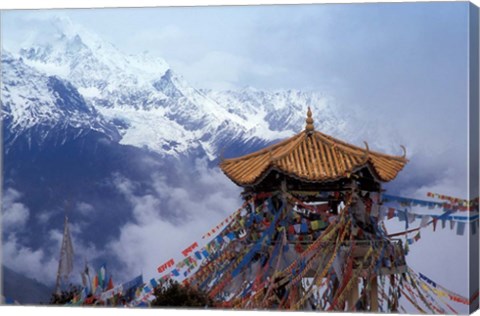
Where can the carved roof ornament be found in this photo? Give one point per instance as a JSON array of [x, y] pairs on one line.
[[316, 158], [309, 128]]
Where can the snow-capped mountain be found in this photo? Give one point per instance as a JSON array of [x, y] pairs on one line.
[[39, 106], [279, 111], [78, 114], [152, 106]]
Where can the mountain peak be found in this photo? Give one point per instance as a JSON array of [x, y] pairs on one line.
[[62, 48], [153, 105], [31, 98]]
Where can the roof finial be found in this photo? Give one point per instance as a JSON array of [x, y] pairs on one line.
[[309, 127]]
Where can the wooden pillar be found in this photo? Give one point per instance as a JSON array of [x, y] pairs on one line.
[[353, 297], [283, 185], [374, 295]]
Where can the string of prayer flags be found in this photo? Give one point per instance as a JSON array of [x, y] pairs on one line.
[[424, 221], [427, 219], [411, 202], [189, 249], [166, 265], [166, 277], [110, 293], [429, 204], [132, 284], [225, 221], [458, 201], [443, 292]]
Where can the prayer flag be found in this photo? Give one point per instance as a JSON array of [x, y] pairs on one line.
[[452, 225], [304, 228], [291, 230], [101, 276], [130, 289], [318, 224], [154, 283], [410, 217], [297, 228], [94, 284], [231, 236], [138, 292], [460, 228], [424, 221], [84, 279], [205, 253], [110, 284], [417, 236]]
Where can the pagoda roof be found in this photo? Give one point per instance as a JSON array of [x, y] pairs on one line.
[[313, 157]]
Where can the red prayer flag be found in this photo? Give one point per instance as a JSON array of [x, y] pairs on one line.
[[95, 283], [110, 284]]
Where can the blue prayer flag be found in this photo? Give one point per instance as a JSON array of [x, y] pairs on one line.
[[460, 228], [154, 283]]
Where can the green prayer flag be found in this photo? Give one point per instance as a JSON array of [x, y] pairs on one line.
[[318, 224]]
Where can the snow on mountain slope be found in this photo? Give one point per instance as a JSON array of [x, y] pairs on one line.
[[99, 70], [154, 107], [277, 112], [31, 99]]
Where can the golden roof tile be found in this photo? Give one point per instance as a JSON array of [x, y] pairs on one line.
[[311, 156]]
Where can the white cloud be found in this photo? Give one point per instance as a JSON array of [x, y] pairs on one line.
[[39, 263], [42, 263], [84, 208], [161, 36], [15, 214], [44, 216], [167, 224], [221, 70], [32, 263]]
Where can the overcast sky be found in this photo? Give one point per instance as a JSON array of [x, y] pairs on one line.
[[405, 66]]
